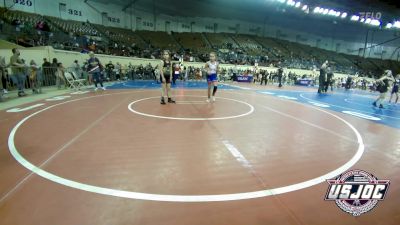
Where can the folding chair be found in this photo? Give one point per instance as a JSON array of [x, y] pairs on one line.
[[74, 83]]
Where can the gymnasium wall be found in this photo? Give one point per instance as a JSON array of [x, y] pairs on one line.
[[137, 18]]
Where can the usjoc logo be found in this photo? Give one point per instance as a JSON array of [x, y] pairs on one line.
[[356, 191]]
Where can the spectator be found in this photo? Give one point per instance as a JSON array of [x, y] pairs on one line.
[[76, 68], [18, 71], [60, 76], [2, 75], [33, 77]]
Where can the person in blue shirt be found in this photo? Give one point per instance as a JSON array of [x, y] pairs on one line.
[[94, 68]]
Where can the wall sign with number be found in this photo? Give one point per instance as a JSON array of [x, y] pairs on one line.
[[74, 12], [147, 24], [23, 2], [114, 20]]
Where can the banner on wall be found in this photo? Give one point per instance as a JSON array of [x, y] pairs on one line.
[[244, 78]]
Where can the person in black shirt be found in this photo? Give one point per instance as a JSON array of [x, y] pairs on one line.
[[110, 70], [329, 80], [166, 75], [322, 75], [264, 77], [383, 86], [280, 74]]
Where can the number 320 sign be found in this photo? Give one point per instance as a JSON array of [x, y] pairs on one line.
[[23, 2]]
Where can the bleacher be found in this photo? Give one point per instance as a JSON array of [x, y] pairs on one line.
[[275, 49], [221, 41], [122, 36], [250, 46], [29, 20], [73, 27], [236, 47], [159, 39], [192, 41]]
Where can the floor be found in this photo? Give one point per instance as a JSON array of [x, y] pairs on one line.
[[258, 155]]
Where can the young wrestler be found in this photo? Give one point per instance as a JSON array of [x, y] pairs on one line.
[[212, 68], [166, 75], [383, 86]]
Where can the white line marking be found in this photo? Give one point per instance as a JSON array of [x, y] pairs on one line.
[[236, 86], [308, 123], [14, 110], [181, 198], [397, 118], [194, 118], [79, 92], [319, 104], [243, 161], [61, 149], [58, 98], [238, 156], [266, 92], [287, 97], [370, 105], [368, 117]]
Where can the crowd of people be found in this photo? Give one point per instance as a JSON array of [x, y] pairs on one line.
[[31, 75], [41, 34]]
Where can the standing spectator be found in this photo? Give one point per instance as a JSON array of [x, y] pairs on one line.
[[329, 76], [46, 67], [76, 68], [17, 70], [109, 70], [60, 76], [130, 71], [33, 77], [198, 74], [176, 74], [234, 73], [322, 75], [186, 69], [94, 68], [53, 68], [280, 74], [5, 79], [117, 71], [2, 74], [264, 77]]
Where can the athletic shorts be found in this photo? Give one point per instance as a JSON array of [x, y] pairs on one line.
[[395, 89], [167, 79], [212, 77]]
